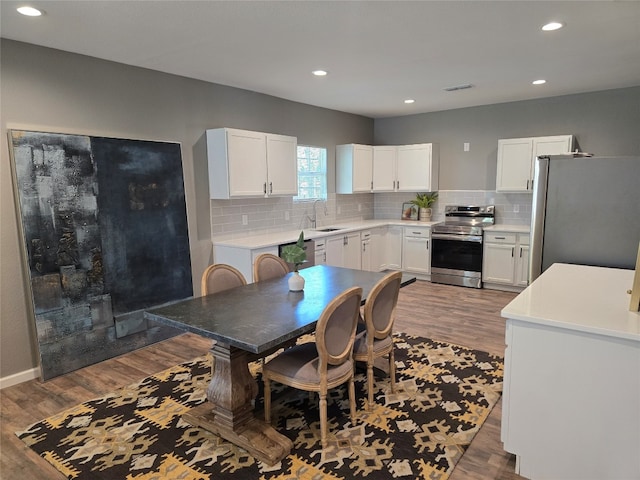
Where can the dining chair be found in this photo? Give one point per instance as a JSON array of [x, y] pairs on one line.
[[220, 277], [323, 364], [374, 338], [267, 266]]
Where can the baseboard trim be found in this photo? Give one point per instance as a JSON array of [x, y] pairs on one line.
[[19, 377]]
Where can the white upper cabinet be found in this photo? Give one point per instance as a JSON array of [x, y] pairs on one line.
[[282, 164], [247, 164], [385, 161], [516, 157], [406, 168], [354, 168], [418, 168]]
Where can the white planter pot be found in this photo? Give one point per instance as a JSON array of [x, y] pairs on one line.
[[425, 214], [296, 282]]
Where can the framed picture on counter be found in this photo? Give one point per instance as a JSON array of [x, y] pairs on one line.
[[409, 211]]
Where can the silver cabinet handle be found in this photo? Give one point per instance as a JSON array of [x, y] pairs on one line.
[[270, 187], [264, 187]]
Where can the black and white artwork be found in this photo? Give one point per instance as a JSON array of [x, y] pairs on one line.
[[104, 227]]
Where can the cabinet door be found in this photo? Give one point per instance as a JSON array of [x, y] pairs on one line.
[[522, 266], [365, 255], [393, 257], [414, 168], [246, 155], [415, 255], [515, 157], [377, 248], [384, 168], [362, 168], [498, 263], [555, 145], [351, 256], [354, 168], [282, 171], [335, 247]]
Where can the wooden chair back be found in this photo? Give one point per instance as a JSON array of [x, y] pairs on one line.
[[220, 277], [380, 306], [268, 266], [336, 328]]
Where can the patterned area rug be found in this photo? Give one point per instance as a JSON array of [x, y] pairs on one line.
[[445, 392]]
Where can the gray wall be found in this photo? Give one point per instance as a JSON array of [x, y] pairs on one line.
[[50, 90], [604, 123], [60, 92]]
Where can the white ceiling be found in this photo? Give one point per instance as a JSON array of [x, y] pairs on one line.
[[378, 53]]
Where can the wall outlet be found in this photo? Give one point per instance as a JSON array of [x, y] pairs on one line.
[[516, 208], [465, 146], [245, 219]]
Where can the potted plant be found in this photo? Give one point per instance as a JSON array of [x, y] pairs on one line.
[[296, 255], [424, 201]]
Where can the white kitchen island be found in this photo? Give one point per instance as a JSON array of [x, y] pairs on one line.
[[571, 405]]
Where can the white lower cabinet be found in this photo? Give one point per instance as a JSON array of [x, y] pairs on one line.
[[377, 248], [365, 253], [416, 255], [344, 250], [321, 252], [505, 260], [393, 253]]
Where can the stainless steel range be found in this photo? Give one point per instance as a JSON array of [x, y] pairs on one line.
[[456, 245]]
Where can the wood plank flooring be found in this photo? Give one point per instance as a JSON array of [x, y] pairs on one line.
[[458, 315]]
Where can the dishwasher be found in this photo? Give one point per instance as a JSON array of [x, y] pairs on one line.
[[309, 248]]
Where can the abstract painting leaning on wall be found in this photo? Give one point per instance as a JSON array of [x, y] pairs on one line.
[[104, 234]]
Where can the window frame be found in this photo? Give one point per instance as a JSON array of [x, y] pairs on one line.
[[321, 173]]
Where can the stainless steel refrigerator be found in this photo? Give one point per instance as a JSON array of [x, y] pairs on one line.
[[586, 210]]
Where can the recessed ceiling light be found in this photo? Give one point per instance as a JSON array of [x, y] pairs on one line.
[[319, 73], [30, 11], [549, 27], [409, 100], [539, 82]]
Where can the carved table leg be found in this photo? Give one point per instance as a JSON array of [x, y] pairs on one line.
[[229, 412]]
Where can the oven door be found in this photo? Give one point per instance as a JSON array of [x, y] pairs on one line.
[[456, 259]]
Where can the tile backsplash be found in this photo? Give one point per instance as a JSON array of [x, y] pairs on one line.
[[276, 214]]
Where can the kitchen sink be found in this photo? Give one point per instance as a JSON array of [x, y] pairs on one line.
[[329, 229]]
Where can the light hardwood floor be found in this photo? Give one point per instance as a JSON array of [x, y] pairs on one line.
[[458, 315]]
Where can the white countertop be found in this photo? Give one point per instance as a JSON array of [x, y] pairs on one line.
[[508, 228], [579, 297], [264, 240]]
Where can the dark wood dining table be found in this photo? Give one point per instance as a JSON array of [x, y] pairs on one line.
[[248, 320]]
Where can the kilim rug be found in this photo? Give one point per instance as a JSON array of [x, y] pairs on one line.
[[445, 392]]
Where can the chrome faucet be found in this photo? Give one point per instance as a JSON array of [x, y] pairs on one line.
[[314, 219]]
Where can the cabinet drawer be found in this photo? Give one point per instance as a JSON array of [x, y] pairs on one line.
[[498, 237], [416, 232], [524, 239]]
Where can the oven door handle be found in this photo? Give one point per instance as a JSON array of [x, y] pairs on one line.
[[457, 238]]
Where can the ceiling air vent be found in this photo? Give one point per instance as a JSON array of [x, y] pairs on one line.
[[458, 87]]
